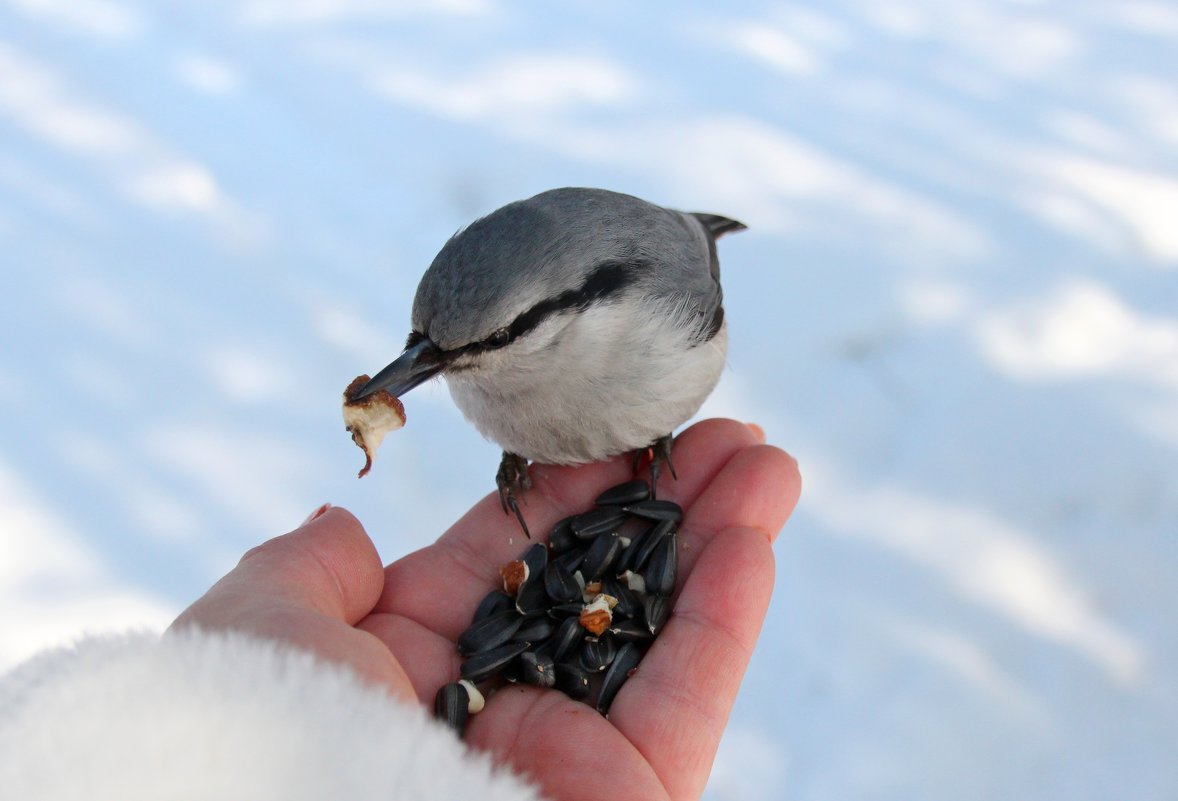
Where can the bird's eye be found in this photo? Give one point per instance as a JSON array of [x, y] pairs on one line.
[[499, 339]]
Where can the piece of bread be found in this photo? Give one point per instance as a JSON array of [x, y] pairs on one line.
[[370, 418]]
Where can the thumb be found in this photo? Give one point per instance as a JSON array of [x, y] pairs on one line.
[[328, 565]]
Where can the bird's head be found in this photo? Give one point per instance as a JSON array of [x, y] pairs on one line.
[[502, 290]]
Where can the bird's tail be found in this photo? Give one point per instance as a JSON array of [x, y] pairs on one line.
[[718, 226]]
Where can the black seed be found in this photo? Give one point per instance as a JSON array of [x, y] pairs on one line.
[[660, 571], [630, 631], [494, 601], [535, 557], [650, 540], [560, 584], [631, 491], [490, 632], [597, 521], [623, 667], [572, 680], [656, 510], [629, 605], [537, 669], [572, 609], [512, 672], [628, 557], [535, 629], [566, 642], [601, 556], [656, 609], [486, 664], [562, 537], [533, 598], [598, 653], [451, 706], [571, 559]]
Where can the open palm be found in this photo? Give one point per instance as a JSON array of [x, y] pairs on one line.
[[322, 587]]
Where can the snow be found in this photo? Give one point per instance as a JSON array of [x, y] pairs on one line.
[[957, 305]]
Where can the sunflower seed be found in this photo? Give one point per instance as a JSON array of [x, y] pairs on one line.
[[655, 611], [656, 510], [533, 598], [630, 631], [566, 642], [534, 629], [512, 672], [626, 560], [598, 521], [660, 571], [598, 653], [572, 680], [560, 584], [452, 706], [484, 665], [571, 609], [477, 701], [571, 560], [562, 538], [494, 601], [623, 667], [537, 669], [649, 542], [631, 491], [535, 557], [628, 605], [601, 556], [490, 632]]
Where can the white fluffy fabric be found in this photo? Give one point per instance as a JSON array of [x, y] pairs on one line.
[[222, 716]]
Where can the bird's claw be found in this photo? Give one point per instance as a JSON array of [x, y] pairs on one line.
[[660, 454], [513, 477]]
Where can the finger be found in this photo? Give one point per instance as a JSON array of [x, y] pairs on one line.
[[306, 588], [675, 707], [428, 659], [760, 488], [328, 565], [570, 750], [466, 560]]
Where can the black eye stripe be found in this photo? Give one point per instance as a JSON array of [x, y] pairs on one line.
[[608, 278]]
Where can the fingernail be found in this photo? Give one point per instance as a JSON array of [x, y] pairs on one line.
[[758, 432], [316, 514]]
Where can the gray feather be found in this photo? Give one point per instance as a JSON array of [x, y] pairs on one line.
[[504, 264]]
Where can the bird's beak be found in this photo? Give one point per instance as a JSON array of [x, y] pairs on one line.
[[419, 363]]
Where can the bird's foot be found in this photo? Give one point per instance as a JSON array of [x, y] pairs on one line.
[[512, 478], [660, 454]]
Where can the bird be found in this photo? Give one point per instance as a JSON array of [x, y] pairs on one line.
[[571, 327]]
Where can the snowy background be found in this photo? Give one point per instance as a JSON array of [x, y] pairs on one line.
[[957, 305]]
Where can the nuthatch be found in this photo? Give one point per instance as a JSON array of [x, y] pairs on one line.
[[572, 326]]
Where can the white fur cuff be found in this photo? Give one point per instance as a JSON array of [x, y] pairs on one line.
[[222, 716]]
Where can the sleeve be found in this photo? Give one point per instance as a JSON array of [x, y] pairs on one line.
[[203, 715]]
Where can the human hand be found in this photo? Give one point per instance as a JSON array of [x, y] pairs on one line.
[[322, 588]]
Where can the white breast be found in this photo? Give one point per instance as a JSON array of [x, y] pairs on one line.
[[595, 384]]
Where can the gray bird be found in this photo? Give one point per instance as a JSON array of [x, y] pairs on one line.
[[571, 327]]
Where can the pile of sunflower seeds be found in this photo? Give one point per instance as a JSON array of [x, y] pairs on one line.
[[579, 614]]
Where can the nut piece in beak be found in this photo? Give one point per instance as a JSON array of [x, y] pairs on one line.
[[370, 418]]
